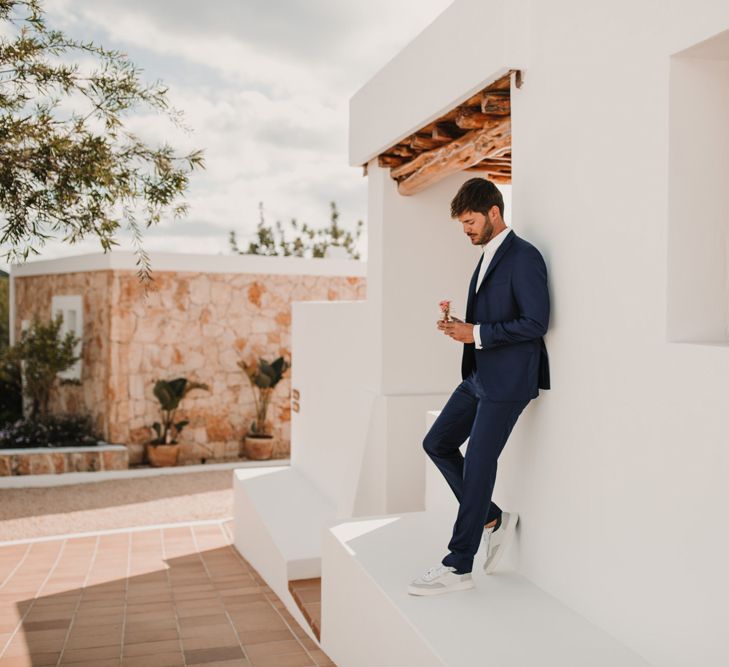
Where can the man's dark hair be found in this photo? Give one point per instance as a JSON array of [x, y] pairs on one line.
[[478, 195]]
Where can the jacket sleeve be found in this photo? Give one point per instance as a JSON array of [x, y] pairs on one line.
[[529, 284]]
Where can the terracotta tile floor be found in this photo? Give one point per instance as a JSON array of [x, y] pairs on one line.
[[307, 595], [161, 597]]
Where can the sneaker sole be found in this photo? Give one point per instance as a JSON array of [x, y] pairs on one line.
[[493, 560], [465, 585]]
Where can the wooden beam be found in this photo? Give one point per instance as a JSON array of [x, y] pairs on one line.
[[495, 176], [500, 86], [420, 142], [473, 101], [496, 168], [496, 104], [504, 151], [403, 151], [491, 170], [504, 83], [470, 118], [442, 133], [497, 160], [390, 160], [445, 151], [432, 166], [470, 136]]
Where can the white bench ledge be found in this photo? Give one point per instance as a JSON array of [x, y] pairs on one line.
[[368, 617], [284, 505]]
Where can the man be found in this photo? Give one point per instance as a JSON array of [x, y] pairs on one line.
[[503, 367]]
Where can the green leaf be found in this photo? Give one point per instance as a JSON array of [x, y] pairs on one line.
[[70, 163]]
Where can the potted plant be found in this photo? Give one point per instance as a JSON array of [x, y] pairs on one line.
[[164, 449], [264, 376]]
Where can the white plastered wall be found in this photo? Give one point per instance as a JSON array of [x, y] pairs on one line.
[[619, 472]]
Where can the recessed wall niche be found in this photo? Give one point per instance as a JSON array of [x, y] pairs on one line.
[[698, 194]]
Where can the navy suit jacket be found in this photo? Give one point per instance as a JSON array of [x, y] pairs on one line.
[[511, 307]]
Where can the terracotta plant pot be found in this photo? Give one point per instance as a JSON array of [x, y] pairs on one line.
[[258, 447], [162, 456]]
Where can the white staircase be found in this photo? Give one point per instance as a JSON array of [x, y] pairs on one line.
[[368, 617], [281, 539], [288, 529], [281, 512], [356, 454], [279, 516]]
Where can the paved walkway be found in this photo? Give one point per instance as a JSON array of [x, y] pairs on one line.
[[158, 597], [118, 503]]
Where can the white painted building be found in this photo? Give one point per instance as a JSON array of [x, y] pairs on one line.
[[620, 176]]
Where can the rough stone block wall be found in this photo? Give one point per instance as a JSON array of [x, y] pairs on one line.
[[33, 296], [52, 462], [191, 324]]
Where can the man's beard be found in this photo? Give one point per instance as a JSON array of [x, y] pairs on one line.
[[487, 233]]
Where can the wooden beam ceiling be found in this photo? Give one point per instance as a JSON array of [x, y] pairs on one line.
[[475, 136]]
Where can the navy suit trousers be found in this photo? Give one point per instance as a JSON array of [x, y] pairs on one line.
[[469, 413]]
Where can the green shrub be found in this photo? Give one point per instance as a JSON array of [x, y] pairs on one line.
[[307, 241], [45, 354], [53, 431]]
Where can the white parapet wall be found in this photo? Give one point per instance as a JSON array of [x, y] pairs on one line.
[[280, 515], [278, 518], [361, 448], [331, 418]]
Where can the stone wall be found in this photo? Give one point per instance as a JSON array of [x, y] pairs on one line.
[[51, 460], [191, 324], [33, 297]]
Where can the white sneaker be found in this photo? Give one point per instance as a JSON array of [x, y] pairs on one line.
[[440, 579], [498, 540], [488, 532]]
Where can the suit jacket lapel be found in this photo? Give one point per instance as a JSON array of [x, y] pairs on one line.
[[497, 256]]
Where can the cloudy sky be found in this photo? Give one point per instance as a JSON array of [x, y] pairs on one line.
[[265, 87]]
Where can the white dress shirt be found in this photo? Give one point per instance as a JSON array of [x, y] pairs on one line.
[[489, 250]]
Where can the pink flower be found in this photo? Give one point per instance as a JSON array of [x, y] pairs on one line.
[[445, 307]]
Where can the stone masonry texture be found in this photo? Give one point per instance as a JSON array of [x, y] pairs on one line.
[[190, 324]]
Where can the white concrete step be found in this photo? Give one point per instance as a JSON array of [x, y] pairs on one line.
[[368, 617], [279, 517]]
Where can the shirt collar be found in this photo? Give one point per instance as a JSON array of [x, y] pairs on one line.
[[496, 241]]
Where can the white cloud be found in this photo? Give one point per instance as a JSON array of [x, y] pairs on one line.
[[265, 88]]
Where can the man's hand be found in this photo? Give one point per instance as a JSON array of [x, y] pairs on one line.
[[457, 330]]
